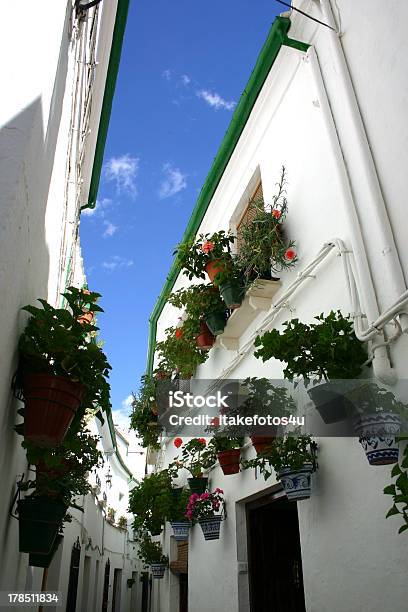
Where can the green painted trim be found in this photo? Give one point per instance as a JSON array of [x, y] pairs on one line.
[[115, 446], [111, 78], [276, 38]]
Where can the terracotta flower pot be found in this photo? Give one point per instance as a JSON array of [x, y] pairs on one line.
[[51, 403], [87, 317], [262, 443], [229, 461], [213, 267], [205, 339]]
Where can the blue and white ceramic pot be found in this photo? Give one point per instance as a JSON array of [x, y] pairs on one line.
[[211, 527], [158, 569], [297, 483], [181, 530], [378, 431]]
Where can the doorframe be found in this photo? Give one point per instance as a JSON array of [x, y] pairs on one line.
[[242, 506]]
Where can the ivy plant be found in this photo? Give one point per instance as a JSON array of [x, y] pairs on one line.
[[399, 490], [144, 413], [151, 501], [327, 350]]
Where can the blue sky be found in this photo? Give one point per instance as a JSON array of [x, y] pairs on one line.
[[184, 66]]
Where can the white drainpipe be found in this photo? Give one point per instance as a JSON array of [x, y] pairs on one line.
[[361, 192]]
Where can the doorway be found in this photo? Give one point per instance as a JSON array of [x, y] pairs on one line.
[[274, 556], [183, 592]]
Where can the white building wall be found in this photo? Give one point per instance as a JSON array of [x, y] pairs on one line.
[[352, 556]]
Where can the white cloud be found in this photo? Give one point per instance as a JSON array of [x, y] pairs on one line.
[[110, 229], [123, 170], [100, 208], [185, 79], [116, 262], [166, 74], [174, 182], [214, 100]]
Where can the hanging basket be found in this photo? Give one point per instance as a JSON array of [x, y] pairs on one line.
[[181, 530], [330, 401], [297, 483], [39, 521], [213, 267], [205, 338], [50, 405], [211, 527], [158, 570], [262, 443], [45, 560], [378, 433], [216, 322], [198, 485], [229, 461], [231, 293]]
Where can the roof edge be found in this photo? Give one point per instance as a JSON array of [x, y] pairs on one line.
[[278, 36]]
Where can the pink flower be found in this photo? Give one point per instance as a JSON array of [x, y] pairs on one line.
[[290, 254], [276, 213], [205, 495], [217, 490], [207, 246]]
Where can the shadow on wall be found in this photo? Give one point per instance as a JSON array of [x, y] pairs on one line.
[[26, 164]]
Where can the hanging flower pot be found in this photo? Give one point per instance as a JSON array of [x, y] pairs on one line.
[[87, 317], [377, 433], [211, 527], [205, 338], [229, 461], [39, 521], [216, 322], [181, 530], [51, 403], [158, 570], [297, 483], [231, 293], [330, 401], [198, 484], [213, 267], [45, 560], [262, 443]]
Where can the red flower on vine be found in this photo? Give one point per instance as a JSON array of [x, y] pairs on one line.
[[276, 213], [179, 333], [202, 440], [207, 246], [290, 254], [178, 442]]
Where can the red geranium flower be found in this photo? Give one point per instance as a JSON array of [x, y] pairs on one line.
[[178, 442], [207, 246], [215, 421], [276, 213], [179, 333], [290, 254], [202, 440]]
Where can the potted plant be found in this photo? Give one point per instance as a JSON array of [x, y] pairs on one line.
[[399, 490], [151, 553], [203, 306], [293, 458], [208, 509], [89, 307], [151, 500], [261, 398], [264, 250], [195, 457], [228, 451], [208, 253], [179, 354], [60, 369], [110, 515], [177, 518], [377, 420], [327, 350], [40, 519], [144, 419], [122, 523]]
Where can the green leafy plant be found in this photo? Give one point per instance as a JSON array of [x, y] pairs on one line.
[[399, 490], [55, 342], [263, 248], [193, 255], [369, 398], [144, 413], [291, 451], [195, 457], [178, 507], [62, 472], [221, 441], [122, 522], [179, 354], [111, 514], [326, 350], [150, 552], [151, 501], [197, 301]]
